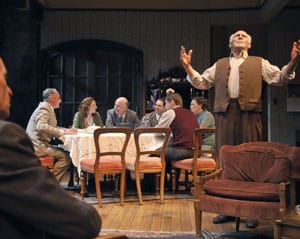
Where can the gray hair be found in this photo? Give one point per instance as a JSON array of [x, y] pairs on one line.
[[248, 36], [47, 93]]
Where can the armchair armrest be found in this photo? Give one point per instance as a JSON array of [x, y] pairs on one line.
[[200, 180], [284, 192]]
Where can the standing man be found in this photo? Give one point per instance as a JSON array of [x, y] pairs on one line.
[[238, 87], [151, 119], [33, 204], [42, 128], [121, 116]]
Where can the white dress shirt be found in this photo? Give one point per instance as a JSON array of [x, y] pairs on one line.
[[270, 73]]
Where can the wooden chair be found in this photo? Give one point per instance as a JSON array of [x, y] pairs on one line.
[[253, 182], [145, 163], [47, 161], [107, 161], [203, 162]]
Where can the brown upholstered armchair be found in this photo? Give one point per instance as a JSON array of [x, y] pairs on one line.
[[253, 182]]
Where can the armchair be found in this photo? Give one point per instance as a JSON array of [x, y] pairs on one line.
[[253, 182]]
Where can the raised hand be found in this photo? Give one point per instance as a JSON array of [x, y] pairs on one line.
[[185, 58], [295, 50]]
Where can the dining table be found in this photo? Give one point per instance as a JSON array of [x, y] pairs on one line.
[[82, 145]]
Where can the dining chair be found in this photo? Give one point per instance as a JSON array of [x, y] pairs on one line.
[[203, 161], [149, 160], [47, 161], [108, 161]]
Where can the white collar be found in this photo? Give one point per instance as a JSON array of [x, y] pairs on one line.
[[243, 54]]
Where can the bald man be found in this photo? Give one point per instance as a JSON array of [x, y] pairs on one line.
[[121, 116]]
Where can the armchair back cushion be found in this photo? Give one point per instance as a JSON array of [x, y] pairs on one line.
[[250, 172], [255, 164]]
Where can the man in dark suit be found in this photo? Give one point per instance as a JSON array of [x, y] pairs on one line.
[[121, 116], [33, 204]]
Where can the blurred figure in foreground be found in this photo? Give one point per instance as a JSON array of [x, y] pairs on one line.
[[33, 204]]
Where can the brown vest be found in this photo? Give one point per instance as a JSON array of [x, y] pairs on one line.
[[250, 84]]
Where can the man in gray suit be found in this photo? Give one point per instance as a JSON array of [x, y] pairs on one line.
[[33, 204], [42, 128], [121, 116]]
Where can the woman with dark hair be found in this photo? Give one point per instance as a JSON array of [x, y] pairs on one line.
[[205, 119], [87, 114]]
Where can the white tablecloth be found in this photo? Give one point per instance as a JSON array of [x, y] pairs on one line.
[[82, 145]]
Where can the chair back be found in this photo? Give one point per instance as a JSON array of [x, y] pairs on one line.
[[161, 134], [255, 162], [116, 148], [199, 152]]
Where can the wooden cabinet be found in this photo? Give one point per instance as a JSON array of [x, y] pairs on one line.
[[158, 89]]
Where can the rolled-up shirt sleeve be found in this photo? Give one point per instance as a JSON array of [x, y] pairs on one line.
[[204, 81], [166, 119], [275, 76]]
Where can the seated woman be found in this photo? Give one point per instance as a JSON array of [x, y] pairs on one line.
[[205, 120], [87, 114]]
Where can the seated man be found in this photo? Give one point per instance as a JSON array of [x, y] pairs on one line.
[[151, 119], [182, 123], [33, 205], [121, 116], [42, 128]]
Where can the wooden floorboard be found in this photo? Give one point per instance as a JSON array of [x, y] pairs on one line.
[[176, 215]]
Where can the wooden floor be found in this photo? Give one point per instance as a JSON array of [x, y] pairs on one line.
[[175, 215]]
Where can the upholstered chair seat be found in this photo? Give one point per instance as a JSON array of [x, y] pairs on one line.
[[203, 161], [47, 161]]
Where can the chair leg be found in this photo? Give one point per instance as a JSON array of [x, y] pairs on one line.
[[122, 187], [237, 224], [186, 180], [138, 186], [71, 178], [77, 178], [117, 180], [157, 176], [162, 186], [173, 177], [198, 218], [83, 184], [98, 189]]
